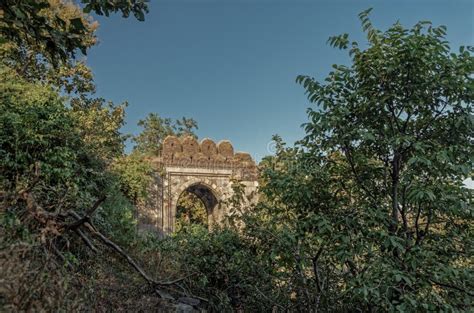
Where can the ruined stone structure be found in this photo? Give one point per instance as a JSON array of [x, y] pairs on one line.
[[204, 168]]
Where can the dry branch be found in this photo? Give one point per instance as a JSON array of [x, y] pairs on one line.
[[154, 284], [88, 214], [86, 240], [58, 220]]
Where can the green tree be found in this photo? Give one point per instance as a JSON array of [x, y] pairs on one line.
[[54, 35], [40, 38], [185, 127], [99, 122], [191, 210], [400, 121], [135, 174], [31, 57], [155, 130], [40, 147]]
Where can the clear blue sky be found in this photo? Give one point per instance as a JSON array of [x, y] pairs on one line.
[[231, 65]]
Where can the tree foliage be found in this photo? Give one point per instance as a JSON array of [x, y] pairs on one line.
[[49, 169], [99, 123], [155, 130], [220, 265], [190, 209], [39, 137], [40, 38], [135, 174], [38, 23], [399, 121]]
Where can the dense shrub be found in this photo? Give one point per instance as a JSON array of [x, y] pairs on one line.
[[47, 170], [219, 265], [39, 141]]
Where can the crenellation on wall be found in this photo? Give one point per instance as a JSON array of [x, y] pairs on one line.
[[187, 152]]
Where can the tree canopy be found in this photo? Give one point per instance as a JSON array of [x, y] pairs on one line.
[[43, 24], [156, 128]]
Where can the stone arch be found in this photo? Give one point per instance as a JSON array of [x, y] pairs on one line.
[[216, 191], [187, 182], [209, 197]]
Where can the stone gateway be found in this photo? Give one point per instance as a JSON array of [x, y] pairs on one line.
[[205, 169]]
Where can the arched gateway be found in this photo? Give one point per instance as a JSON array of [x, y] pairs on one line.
[[203, 168]]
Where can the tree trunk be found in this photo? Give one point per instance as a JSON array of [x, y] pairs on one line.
[[395, 184]]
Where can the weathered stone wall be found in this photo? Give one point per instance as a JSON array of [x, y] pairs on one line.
[[204, 168]]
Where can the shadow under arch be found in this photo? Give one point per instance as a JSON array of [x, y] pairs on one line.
[[207, 195]]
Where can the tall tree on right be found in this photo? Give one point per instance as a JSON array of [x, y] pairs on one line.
[[400, 119]]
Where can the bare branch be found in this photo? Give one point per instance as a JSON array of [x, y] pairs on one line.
[[316, 269], [86, 240], [89, 212], [115, 247], [452, 287], [417, 225]]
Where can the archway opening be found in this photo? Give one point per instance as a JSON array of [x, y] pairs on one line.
[[196, 205]]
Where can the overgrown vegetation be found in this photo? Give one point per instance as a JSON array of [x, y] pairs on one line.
[[367, 213]]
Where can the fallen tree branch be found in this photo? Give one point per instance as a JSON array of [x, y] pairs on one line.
[[87, 216], [111, 244], [452, 287], [86, 240], [175, 281], [58, 220], [154, 284], [115, 247]]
